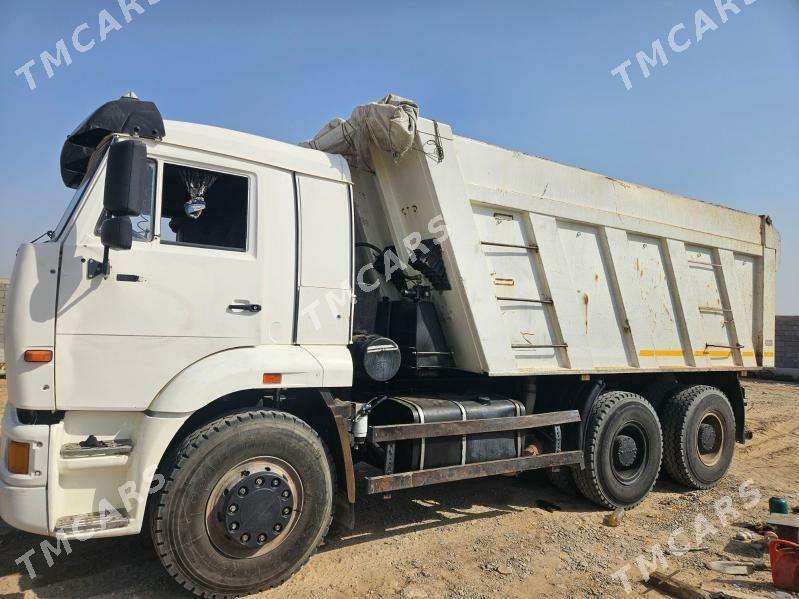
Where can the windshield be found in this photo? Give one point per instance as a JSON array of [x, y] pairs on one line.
[[78, 195], [59, 228]]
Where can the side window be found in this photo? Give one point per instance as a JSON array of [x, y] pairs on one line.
[[203, 208], [142, 224]]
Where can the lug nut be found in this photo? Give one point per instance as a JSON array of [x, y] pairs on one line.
[[233, 508], [243, 491], [245, 537], [234, 526], [262, 538], [275, 482], [277, 527], [259, 482], [285, 493], [286, 511]]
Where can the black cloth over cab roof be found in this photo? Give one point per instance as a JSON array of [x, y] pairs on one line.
[[126, 115]]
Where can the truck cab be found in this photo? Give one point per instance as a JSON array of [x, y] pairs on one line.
[[257, 290]]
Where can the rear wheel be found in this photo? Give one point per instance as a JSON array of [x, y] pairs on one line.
[[562, 479], [659, 392], [248, 498], [698, 436], [623, 449]]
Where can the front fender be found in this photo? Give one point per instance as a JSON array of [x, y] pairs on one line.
[[236, 370]]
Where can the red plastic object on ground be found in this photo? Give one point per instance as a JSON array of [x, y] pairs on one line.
[[784, 564]]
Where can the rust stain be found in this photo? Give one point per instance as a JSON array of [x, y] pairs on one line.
[[585, 303]]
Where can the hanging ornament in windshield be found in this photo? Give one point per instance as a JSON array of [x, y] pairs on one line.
[[197, 183]]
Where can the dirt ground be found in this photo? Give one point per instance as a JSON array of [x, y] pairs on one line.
[[486, 537]]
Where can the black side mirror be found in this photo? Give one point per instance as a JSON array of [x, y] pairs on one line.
[[117, 233], [127, 182], [126, 178]]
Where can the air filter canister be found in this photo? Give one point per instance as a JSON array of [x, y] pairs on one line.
[[375, 357]]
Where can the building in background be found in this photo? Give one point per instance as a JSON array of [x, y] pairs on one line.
[[787, 349]]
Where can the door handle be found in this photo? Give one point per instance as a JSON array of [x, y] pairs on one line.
[[128, 278], [247, 307]]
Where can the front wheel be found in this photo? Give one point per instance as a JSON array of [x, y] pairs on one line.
[[248, 499], [623, 449]]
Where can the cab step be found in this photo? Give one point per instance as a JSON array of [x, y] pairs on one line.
[[92, 448], [94, 522]]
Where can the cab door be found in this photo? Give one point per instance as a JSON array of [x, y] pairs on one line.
[[188, 287]]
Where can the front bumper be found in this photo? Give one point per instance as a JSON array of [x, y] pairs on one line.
[[23, 497], [65, 488], [24, 508]]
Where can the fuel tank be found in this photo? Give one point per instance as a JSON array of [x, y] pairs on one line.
[[423, 454]]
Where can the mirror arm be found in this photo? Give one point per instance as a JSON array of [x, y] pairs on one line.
[[95, 268]]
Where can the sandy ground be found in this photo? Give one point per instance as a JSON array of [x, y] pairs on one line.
[[485, 538]]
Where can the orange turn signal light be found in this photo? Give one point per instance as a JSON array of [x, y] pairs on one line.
[[39, 355], [272, 379], [18, 457]]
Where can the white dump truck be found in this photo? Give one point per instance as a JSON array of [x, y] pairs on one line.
[[222, 326]]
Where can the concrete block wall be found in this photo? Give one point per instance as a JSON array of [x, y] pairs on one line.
[[787, 342], [3, 293]]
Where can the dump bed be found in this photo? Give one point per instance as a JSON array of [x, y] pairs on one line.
[[556, 269]]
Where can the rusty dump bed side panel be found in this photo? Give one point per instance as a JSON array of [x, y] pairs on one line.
[[559, 270]]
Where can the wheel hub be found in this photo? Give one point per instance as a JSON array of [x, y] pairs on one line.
[[707, 437], [626, 450], [257, 509], [629, 452], [710, 439], [254, 507]]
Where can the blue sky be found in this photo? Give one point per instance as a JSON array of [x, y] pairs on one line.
[[719, 122]]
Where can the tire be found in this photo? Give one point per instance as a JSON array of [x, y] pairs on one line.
[[288, 482], [659, 392], [689, 458], [562, 480], [623, 450], [562, 477]]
